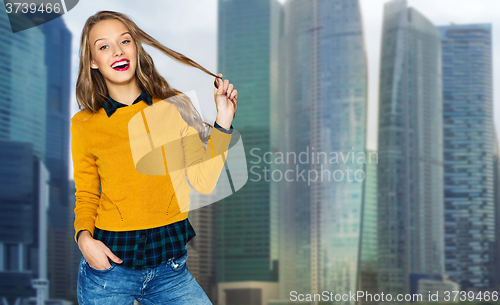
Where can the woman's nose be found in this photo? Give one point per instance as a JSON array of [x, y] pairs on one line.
[[118, 51]]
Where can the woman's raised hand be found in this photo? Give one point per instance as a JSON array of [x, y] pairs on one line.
[[95, 252], [226, 100]]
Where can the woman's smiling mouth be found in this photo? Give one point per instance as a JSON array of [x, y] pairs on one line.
[[121, 65]]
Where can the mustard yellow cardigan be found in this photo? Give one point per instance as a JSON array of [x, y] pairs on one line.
[[141, 156]]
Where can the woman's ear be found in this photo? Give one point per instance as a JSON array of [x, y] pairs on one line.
[[93, 65]]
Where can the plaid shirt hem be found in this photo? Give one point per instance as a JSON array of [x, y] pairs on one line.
[[148, 247]]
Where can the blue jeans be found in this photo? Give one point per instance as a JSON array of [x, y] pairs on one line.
[[168, 283]]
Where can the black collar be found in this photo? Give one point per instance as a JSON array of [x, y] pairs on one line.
[[148, 99]]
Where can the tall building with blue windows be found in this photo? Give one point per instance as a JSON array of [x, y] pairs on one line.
[[35, 84], [23, 85], [410, 168], [496, 183], [245, 222], [324, 116], [58, 62], [24, 196], [24, 190], [468, 146], [368, 266]]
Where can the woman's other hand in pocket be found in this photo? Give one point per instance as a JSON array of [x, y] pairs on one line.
[[95, 252]]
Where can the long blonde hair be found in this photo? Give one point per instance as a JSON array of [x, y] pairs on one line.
[[91, 89]]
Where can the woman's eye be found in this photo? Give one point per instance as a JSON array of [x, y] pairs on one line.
[[126, 41], [103, 47]]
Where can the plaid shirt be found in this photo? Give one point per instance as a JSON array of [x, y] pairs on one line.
[[148, 247]]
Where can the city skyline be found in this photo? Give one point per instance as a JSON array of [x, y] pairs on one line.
[[196, 38], [410, 150]]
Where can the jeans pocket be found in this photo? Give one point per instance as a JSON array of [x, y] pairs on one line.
[[98, 270], [178, 263]]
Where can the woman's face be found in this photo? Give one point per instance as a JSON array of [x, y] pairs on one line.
[[113, 52]]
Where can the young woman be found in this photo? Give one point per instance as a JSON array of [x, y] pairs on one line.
[[129, 225]]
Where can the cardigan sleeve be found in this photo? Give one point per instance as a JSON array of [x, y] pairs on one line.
[[87, 182], [204, 162]]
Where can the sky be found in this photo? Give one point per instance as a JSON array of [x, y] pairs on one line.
[[190, 27]]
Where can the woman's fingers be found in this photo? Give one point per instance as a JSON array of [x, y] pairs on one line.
[[229, 90], [225, 86], [113, 257], [98, 261], [218, 82], [221, 84], [233, 95], [100, 266], [234, 99], [96, 254]]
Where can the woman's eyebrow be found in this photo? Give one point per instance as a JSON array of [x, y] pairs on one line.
[[106, 38]]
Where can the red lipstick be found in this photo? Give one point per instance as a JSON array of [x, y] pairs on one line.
[[121, 65]]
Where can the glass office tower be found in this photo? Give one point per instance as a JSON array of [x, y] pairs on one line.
[[410, 169], [201, 249], [468, 144], [369, 236], [23, 222], [246, 247], [57, 59], [35, 87], [496, 185], [496, 171], [23, 102], [325, 96], [23, 85]]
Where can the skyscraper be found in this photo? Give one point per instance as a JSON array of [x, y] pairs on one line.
[[496, 171], [410, 169], [23, 222], [324, 78], [468, 144], [369, 237], [58, 61], [201, 249], [246, 257], [23, 82], [75, 255]]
